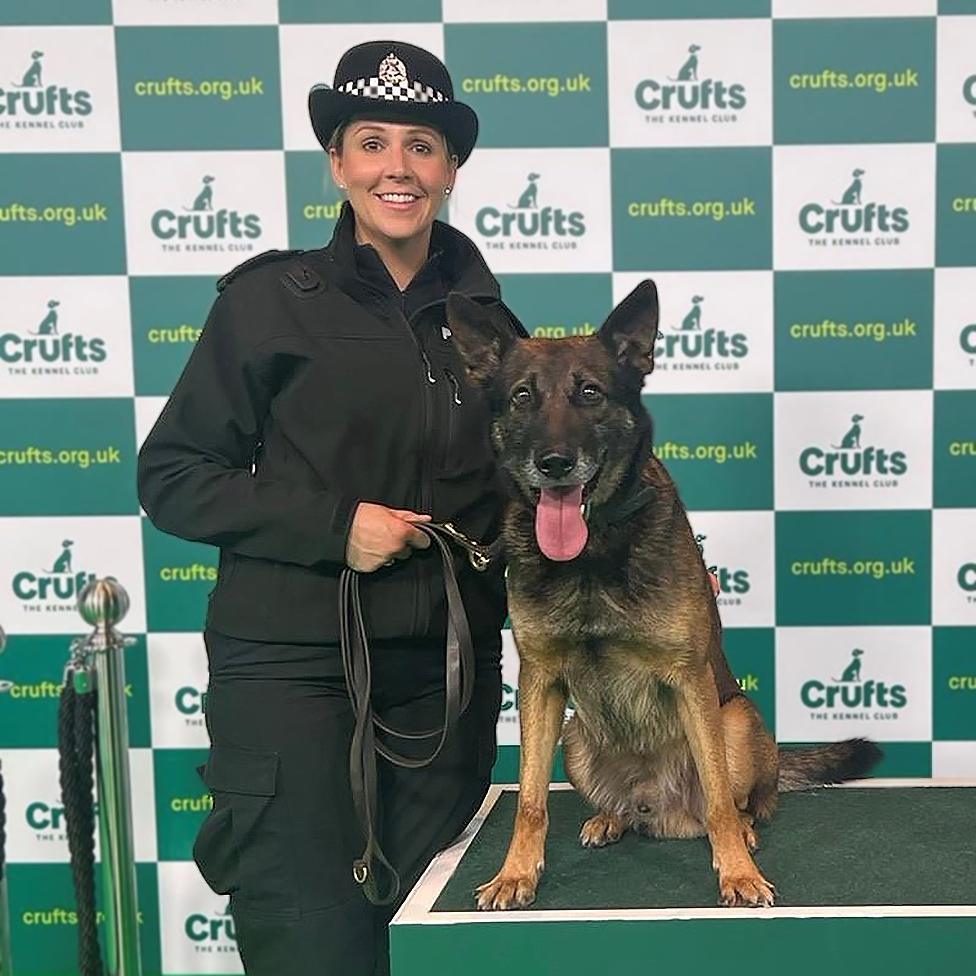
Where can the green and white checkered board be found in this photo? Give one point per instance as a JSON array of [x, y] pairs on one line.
[[798, 176]]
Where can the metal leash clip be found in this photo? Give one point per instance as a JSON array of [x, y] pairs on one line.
[[478, 555]]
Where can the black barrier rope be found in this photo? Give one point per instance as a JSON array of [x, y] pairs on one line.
[[76, 742]]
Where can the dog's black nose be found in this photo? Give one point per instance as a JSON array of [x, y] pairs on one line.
[[555, 465]]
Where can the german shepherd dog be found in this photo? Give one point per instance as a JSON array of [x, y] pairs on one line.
[[610, 603]]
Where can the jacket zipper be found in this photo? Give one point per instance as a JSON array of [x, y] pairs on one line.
[[451, 411], [426, 488], [253, 466], [430, 374], [428, 409], [422, 594], [427, 449], [454, 384]]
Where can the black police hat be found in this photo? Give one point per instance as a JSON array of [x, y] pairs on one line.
[[398, 82]]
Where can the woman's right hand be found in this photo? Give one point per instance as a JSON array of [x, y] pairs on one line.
[[379, 535]]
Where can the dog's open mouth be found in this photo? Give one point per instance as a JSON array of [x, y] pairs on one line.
[[560, 528]]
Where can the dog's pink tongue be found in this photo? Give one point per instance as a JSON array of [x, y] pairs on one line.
[[559, 526]]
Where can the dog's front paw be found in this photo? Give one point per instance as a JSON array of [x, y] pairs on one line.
[[601, 829], [506, 891], [750, 890]]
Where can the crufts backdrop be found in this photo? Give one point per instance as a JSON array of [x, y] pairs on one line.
[[799, 177]]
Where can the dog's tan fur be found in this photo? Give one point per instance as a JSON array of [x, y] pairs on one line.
[[662, 740]]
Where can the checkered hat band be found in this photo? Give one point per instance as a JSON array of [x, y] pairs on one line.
[[374, 88]]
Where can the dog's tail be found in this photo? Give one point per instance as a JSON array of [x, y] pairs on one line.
[[835, 762]]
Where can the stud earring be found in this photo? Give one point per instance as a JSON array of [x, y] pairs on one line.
[[447, 191], [342, 186]]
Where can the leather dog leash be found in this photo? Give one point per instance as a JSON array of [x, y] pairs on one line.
[[459, 683]]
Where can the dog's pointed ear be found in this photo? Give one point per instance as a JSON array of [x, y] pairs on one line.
[[481, 336], [630, 330]]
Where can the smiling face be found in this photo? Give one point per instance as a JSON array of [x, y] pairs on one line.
[[395, 174]]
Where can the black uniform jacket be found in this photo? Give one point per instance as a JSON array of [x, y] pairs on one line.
[[317, 384]]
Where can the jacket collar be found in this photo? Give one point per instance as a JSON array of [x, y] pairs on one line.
[[454, 263]]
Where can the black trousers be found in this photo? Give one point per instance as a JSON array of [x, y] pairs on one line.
[[282, 834]]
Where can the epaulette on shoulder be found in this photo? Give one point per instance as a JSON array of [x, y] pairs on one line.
[[266, 257]]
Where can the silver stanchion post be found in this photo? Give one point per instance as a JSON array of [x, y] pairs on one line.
[[6, 957], [102, 604]]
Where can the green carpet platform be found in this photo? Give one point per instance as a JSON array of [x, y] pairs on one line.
[[875, 877]]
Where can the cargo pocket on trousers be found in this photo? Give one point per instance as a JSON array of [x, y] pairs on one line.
[[239, 848]]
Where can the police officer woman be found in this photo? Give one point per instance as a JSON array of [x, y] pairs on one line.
[[321, 415]]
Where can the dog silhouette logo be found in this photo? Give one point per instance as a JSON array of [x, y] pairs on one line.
[[528, 199], [852, 195], [852, 439], [204, 199], [692, 320], [49, 324], [63, 563], [853, 670], [32, 76], [689, 70]]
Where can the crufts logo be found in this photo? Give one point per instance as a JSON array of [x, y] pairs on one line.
[[689, 345], [851, 464], [48, 820], [850, 218], [211, 931], [828, 699], [58, 587], [686, 92], [220, 229], [50, 347], [30, 99], [524, 224]]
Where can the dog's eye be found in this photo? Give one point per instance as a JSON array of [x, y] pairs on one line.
[[521, 396], [591, 393]]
